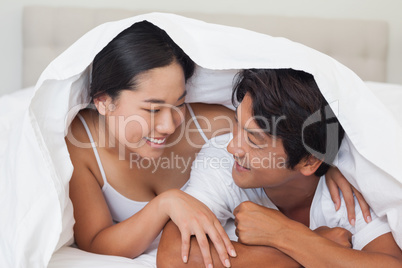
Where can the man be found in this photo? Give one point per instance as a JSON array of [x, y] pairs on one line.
[[283, 144]]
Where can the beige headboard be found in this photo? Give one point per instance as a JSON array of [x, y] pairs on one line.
[[359, 44]]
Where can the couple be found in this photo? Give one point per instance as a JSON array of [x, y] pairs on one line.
[[138, 89]]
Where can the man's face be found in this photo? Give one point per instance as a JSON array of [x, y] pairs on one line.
[[260, 160]]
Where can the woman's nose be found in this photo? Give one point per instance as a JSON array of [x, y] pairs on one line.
[[165, 124]]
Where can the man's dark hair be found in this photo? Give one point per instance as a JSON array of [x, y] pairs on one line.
[[288, 104]]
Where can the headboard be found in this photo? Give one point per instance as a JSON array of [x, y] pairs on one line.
[[362, 45]]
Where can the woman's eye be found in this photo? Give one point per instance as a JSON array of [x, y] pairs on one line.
[[181, 105], [152, 111]]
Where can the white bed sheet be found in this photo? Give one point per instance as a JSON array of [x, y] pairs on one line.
[[390, 95], [69, 257]]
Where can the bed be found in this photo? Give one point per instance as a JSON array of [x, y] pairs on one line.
[[362, 45], [48, 31]]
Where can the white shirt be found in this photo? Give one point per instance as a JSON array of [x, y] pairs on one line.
[[211, 182]]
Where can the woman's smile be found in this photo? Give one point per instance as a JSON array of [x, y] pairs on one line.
[[156, 142]]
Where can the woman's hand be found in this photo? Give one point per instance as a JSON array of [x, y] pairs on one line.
[[194, 218], [335, 182]]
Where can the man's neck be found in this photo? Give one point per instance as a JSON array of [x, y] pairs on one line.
[[294, 199]]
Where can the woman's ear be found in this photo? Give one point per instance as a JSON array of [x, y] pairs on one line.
[[101, 103], [310, 165]]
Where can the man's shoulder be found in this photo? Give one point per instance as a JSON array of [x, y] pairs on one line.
[[214, 161], [217, 145], [322, 211]]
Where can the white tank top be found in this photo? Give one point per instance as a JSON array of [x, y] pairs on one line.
[[121, 207]]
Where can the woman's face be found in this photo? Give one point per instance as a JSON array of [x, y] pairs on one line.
[[142, 120]]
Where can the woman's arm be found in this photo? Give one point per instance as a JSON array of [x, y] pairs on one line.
[[214, 119]]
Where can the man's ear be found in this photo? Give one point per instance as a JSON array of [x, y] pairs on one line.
[[310, 165], [101, 103]]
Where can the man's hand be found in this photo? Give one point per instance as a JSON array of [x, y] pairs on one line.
[[258, 225]]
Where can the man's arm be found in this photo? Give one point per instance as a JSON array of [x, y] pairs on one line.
[[314, 251], [169, 253], [258, 225]]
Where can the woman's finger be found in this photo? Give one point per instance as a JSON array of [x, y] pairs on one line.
[[228, 244], [350, 203], [204, 248], [334, 192], [220, 246], [363, 205], [185, 246], [346, 188]]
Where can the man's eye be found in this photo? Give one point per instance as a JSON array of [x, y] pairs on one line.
[[254, 144], [251, 141], [181, 105]]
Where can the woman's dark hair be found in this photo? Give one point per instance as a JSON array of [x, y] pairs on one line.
[[289, 105], [137, 49]]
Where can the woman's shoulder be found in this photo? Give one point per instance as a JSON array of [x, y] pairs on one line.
[[214, 119], [80, 147], [76, 131]]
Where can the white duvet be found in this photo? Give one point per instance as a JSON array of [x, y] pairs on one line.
[[36, 213]]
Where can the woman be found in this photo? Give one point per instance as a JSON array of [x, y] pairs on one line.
[[125, 187], [138, 89]]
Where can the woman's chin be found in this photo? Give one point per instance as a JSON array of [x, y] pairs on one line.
[[150, 152], [153, 156]]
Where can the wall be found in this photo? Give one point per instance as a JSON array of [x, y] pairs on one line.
[[388, 10]]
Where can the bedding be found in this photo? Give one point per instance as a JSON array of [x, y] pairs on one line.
[[361, 45], [37, 218]]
